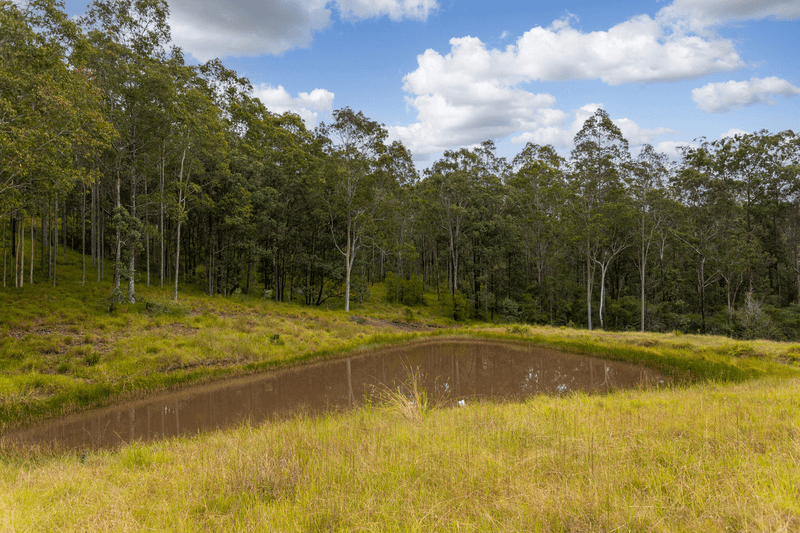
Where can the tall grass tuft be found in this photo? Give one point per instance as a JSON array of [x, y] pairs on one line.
[[409, 399]]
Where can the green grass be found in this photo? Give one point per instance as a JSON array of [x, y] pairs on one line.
[[61, 350], [710, 457], [717, 451]]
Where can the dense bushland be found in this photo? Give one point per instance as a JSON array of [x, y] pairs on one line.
[[114, 146]]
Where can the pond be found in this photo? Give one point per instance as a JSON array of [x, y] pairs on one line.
[[451, 371]]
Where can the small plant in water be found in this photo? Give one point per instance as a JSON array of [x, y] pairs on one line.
[[409, 399]]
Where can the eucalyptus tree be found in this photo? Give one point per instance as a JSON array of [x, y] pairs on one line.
[[198, 140], [225, 203], [649, 175], [488, 224], [127, 41], [355, 189], [403, 206], [773, 161], [449, 184], [598, 200], [710, 211], [49, 112], [537, 195]]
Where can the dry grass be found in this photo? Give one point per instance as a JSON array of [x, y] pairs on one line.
[[409, 399], [705, 458]]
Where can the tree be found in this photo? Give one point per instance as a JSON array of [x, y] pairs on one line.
[[355, 188], [449, 185], [537, 192], [127, 40], [649, 174], [598, 200]]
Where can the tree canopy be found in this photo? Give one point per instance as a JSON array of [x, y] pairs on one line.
[[111, 144]]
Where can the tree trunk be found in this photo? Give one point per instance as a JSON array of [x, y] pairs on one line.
[[83, 234], [348, 266], [177, 259], [589, 283], [161, 224], [132, 244], [93, 230], [101, 238], [44, 232], [2, 222], [22, 252], [64, 230], [147, 233], [118, 250], [32, 249], [603, 270], [703, 293], [55, 238]]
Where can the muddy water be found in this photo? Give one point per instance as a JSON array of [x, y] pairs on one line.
[[457, 371]]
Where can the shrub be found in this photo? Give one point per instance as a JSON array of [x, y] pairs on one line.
[[510, 310], [457, 308], [405, 291]]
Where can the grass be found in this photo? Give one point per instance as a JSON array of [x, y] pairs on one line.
[[710, 457], [62, 351], [719, 451]]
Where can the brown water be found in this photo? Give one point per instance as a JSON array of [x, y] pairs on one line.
[[457, 371]]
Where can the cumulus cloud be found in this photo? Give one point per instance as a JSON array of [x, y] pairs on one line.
[[733, 132], [673, 148], [636, 51], [394, 9], [711, 12], [563, 137], [730, 95], [208, 28], [307, 105], [463, 116], [636, 135], [473, 92]]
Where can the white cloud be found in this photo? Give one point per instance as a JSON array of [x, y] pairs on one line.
[[209, 28], [637, 135], [720, 11], [468, 115], [563, 137], [395, 9], [636, 51], [730, 95], [733, 132], [307, 105], [559, 136], [673, 148], [473, 92]]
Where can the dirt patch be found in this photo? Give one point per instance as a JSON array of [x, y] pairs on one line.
[[394, 324]]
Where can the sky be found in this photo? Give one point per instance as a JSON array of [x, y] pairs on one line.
[[443, 74]]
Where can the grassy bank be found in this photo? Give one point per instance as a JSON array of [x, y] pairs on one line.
[[710, 457], [61, 350]]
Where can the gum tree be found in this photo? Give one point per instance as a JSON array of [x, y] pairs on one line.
[[353, 184]]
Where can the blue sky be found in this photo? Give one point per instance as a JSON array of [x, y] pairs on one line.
[[441, 74]]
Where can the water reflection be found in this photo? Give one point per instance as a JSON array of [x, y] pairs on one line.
[[454, 370]]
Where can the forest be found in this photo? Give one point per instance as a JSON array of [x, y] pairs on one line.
[[113, 146]]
